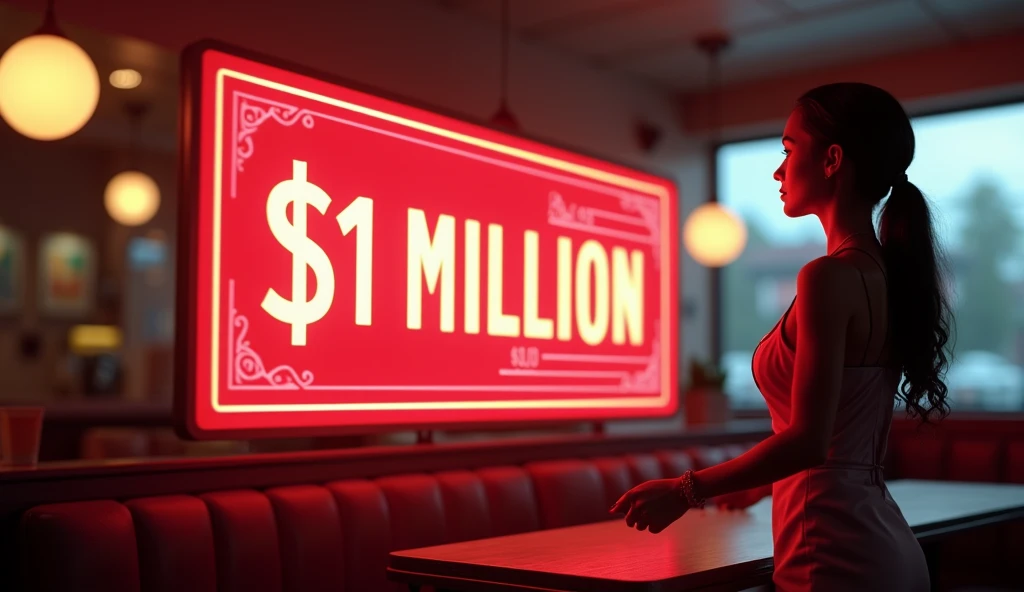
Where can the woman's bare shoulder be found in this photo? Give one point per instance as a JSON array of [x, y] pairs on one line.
[[828, 282]]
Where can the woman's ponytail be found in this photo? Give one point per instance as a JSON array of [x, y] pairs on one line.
[[918, 304]]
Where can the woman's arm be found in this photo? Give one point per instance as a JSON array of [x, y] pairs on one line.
[[824, 308], [742, 499]]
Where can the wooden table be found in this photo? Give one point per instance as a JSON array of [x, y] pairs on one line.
[[704, 550]]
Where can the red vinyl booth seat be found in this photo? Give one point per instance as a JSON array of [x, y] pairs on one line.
[[335, 536]]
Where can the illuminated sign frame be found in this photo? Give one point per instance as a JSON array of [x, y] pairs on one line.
[[205, 322]]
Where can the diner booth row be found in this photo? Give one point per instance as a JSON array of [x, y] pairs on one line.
[[319, 520], [327, 520]]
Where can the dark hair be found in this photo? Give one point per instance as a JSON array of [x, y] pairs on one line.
[[873, 130]]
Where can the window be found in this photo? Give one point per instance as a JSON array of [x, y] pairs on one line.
[[149, 317], [969, 165]]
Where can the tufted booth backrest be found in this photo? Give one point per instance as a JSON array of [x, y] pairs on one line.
[[335, 536]]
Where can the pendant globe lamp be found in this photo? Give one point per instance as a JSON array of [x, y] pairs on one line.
[[713, 234], [49, 86], [132, 197]]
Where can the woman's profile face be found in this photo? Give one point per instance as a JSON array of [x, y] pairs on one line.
[[804, 186]]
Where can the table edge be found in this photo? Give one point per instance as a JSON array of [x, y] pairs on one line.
[[425, 568], [756, 569], [947, 527]]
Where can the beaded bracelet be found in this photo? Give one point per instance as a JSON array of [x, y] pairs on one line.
[[686, 491]]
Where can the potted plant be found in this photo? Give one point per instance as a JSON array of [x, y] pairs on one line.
[[704, 401]]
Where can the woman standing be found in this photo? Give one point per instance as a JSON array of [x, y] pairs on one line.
[[869, 311]]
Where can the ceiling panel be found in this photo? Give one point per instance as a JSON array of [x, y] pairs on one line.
[[869, 28], [663, 27], [877, 29], [655, 38], [803, 5], [595, 16], [968, 7], [977, 18], [541, 14], [982, 26], [685, 69]]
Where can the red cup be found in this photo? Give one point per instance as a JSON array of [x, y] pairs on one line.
[[21, 429]]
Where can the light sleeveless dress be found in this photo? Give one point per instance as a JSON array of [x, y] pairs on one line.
[[835, 526]]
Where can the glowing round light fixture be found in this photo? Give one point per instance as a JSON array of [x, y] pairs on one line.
[[125, 78], [132, 198], [714, 235], [49, 87]]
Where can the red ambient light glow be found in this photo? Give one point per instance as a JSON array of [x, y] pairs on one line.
[[353, 263]]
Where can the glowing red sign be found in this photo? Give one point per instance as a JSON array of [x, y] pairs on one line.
[[353, 262]]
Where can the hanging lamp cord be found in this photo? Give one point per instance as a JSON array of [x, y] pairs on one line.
[[504, 52], [716, 95], [133, 133], [49, 26], [135, 113]]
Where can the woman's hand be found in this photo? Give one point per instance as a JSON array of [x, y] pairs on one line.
[[740, 500], [652, 505]]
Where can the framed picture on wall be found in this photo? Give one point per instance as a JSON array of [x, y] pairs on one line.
[[67, 275], [12, 271]]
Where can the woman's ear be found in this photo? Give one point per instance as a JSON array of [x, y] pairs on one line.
[[833, 159]]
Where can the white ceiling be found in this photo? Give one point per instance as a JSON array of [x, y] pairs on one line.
[[654, 39]]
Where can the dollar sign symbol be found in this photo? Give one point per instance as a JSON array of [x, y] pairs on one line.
[[298, 312]]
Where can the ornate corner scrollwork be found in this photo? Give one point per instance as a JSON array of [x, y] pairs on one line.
[[250, 113], [648, 379], [247, 367]]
